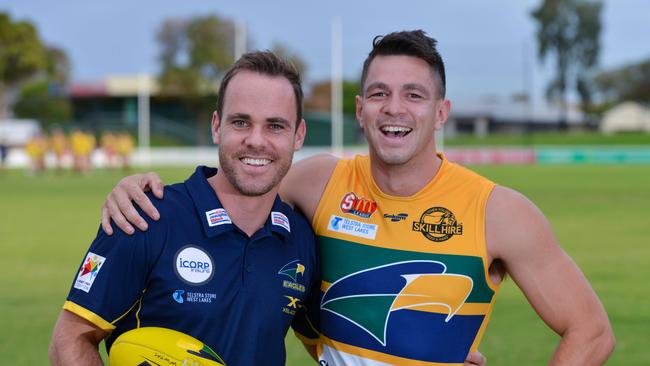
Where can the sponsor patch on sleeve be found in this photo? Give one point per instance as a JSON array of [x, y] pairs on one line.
[[88, 271], [279, 219]]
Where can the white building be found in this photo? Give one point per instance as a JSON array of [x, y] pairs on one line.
[[626, 117]]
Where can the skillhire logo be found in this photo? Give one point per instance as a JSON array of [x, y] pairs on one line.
[[360, 206], [438, 224]]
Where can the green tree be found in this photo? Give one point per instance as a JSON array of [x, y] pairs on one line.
[[630, 82], [44, 97], [41, 100], [285, 52], [569, 30], [194, 55], [320, 96], [22, 56]]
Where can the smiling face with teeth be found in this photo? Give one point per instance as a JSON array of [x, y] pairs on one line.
[[399, 110], [257, 133]]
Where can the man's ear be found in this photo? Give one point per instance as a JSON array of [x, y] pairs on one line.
[[215, 128], [359, 109], [299, 138], [442, 113]]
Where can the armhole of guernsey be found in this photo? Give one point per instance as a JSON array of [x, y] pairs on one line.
[[340, 165], [486, 191], [481, 207]]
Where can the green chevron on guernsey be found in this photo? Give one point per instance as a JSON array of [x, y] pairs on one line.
[[379, 291], [349, 257], [292, 269]]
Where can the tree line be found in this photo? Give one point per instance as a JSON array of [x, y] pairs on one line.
[[195, 52]]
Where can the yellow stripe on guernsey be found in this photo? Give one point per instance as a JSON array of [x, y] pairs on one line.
[[98, 320], [88, 315], [404, 279]]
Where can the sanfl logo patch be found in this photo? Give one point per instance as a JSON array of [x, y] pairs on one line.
[[88, 271]]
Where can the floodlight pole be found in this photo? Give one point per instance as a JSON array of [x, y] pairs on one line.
[[337, 88], [240, 39], [144, 123]]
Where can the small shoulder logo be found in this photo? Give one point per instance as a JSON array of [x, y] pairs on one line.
[[218, 216], [88, 271], [438, 224], [281, 220], [360, 206], [292, 269]]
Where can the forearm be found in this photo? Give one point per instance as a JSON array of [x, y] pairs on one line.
[[584, 348], [68, 352], [75, 342]]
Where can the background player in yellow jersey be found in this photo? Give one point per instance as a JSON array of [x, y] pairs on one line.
[[36, 149], [59, 146], [402, 104], [124, 146], [108, 142], [83, 145]]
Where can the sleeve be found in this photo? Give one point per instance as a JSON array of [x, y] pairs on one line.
[[111, 278], [306, 322]]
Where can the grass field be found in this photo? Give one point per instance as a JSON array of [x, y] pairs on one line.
[[571, 139], [601, 215]]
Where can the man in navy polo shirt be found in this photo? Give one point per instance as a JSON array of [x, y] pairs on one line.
[[228, 263]]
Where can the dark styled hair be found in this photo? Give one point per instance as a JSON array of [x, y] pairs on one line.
[[265, 63], [409, 43]]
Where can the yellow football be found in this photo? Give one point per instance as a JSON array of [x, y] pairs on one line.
[[160, 346]]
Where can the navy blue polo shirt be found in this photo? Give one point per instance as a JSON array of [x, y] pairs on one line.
[[197, 272]]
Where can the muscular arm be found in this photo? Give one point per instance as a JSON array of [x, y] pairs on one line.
[[75, 341], [520, 237], [303, 186]]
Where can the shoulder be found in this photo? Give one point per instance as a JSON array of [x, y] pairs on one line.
[[300, 227], [304, 184], [176, 202], [315, 168], [466, 175], [513, 223]]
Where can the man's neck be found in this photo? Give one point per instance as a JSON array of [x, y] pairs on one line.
[[249, 213], [405, 179]]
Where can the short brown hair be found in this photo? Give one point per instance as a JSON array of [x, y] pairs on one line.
[[265, 63], [409, 43]]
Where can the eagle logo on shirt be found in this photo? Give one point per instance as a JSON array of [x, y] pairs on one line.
[[368, 298], [292, 269]]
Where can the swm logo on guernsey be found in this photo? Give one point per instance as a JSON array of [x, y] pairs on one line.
[[438, 224], [360, 206], [193, 265]]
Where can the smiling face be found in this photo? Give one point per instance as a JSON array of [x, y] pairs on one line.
[[256, 132], [399, 110]]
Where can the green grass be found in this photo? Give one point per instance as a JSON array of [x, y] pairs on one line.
[[600, 215], [550, 138]]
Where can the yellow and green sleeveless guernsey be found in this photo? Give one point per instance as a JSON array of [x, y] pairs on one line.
[[404, 279]]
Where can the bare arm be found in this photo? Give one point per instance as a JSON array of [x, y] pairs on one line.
[[303, 186], [119, 202], [75, 341], [519, 235], [475, 359]]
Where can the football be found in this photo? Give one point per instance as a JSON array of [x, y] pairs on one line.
[[160, 346]]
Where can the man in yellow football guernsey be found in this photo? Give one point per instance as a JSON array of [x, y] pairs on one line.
[[414, 247]]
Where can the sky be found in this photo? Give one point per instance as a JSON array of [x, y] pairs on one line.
[[489, 47]]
